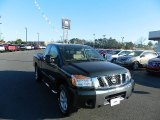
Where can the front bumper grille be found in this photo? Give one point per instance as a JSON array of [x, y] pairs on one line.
[[112, 80]]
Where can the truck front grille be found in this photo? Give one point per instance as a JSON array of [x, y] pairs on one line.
[[101, 82], [112, 80]]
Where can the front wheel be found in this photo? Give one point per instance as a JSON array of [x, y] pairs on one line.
[[114, 60], [135, 65], [64, 101]]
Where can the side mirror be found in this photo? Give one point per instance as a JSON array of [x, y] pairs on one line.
[[142, 56], [48, 59]]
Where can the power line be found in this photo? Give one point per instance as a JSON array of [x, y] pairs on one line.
[[45, 17]]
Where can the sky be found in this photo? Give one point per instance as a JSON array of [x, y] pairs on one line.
[[131, 19]]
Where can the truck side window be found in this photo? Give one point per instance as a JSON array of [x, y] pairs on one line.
[[47, 50], [54, 54]]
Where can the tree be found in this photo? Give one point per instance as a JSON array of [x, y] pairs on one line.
[[2, 41], [18, 41], [129, 45], [150, 44], [77, 41]]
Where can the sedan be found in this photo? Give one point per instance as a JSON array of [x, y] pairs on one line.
[[153, 65]]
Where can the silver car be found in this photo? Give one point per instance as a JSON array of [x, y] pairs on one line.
[[112, 57], [136, 59]]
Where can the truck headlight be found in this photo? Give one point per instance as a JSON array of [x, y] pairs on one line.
[[81, 81], [128, 76]]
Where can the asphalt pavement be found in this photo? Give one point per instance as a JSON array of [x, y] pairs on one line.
[[22, 98]]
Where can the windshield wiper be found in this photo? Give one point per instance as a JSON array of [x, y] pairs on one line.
[[73, 60], [95, 59]]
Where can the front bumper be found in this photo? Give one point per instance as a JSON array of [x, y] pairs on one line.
[[97, 98]]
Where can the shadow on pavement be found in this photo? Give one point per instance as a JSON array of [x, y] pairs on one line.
[[142, 78], [140, 92], [21, 97]]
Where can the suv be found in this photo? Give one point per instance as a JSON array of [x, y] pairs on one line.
[[153, 65], [136, 59], [81, 77]]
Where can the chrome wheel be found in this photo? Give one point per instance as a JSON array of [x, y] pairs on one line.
[[63, 101], [37, 74]]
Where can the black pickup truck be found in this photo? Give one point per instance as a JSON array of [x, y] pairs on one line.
[[81, 77]]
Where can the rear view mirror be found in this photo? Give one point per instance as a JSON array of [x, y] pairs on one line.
[[48, 59], [142, 56]]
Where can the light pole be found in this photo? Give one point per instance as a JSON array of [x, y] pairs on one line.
[[0, 22], [94, 41], [38, 38], [0, 35], [26, 34], [122, 42], [0, 30], [122, 39]]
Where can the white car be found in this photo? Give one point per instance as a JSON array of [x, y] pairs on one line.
[[117, 53], [2, 48], [28, 47], [42, 47]]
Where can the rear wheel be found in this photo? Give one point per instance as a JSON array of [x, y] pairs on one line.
[[37, 74]]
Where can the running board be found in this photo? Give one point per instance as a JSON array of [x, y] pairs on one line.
[[50, 88]]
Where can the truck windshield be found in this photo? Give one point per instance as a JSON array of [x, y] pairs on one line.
[[78, 53]]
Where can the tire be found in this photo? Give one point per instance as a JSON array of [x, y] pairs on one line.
[[64, 101], [37, 74], [114, 60], [135, 65]]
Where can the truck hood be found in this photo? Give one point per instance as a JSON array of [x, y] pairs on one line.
[[94, 69]]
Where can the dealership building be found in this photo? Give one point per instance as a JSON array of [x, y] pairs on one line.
[[155, 36]]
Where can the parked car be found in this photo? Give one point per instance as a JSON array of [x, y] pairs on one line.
[[42, 47], [81, 77], [22, 47], [9, 47], [102, 52], [153, 65], [112, 57], [28, 47], [136, 59], [2, 48]]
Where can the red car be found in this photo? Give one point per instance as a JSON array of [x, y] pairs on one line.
[[154, 65], [102, 52], [9, 47]]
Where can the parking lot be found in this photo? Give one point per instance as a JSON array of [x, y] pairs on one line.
[[22, 98]]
